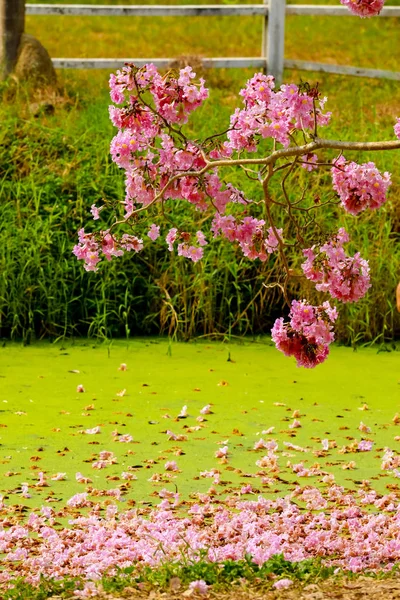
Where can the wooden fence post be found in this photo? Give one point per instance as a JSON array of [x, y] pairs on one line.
[[12, 24], [276, 39]]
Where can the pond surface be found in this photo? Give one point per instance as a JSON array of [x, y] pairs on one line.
[[47, 426]]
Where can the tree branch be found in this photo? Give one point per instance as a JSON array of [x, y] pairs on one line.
[[317, 144]]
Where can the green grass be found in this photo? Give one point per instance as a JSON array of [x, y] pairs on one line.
[[240, 578], [243, 574], [251, 387], [53, 167], [323, 39]]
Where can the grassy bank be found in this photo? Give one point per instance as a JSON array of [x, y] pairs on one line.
[[230, 580], [244, 578], [54, 166]]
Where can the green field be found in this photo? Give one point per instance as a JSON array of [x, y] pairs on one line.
[[321, 39], [43, 418]]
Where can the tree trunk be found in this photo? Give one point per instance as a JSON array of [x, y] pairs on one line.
[[12, 23]]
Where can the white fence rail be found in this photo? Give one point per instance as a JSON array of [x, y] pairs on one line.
[[154, 10], [161, 63], [148, 10], [272, 48]]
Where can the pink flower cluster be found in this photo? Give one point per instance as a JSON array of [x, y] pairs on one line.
[[272, 114], [106, 458], [194, 253], [365, 446], [149, 167], [154, 232], [151, 156], [282, 584], [199, 586], [91, 246], [309, 162], [174, 97], [359, 186], [364, 8], [336, 526], [250, 233], [308, 333], [344, 277], [397, 128], [95, 210]]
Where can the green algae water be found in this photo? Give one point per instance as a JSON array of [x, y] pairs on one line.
[[251, 388]]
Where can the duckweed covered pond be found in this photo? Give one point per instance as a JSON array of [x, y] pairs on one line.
[[47, 427]]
